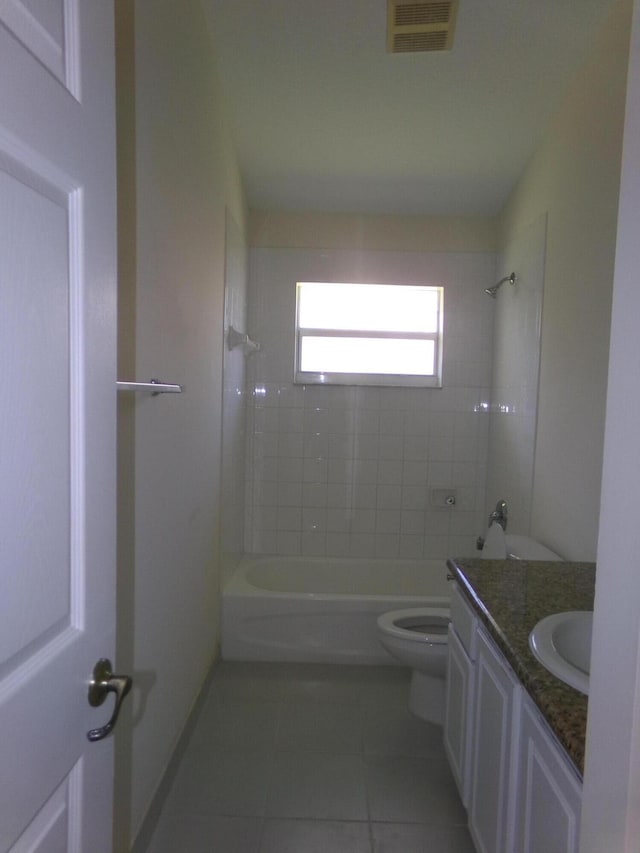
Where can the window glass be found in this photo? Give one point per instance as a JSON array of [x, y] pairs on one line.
[[369, 334]]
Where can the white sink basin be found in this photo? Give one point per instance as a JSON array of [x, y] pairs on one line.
[[562, 644]]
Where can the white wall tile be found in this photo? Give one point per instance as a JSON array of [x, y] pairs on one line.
[[387, 545], [265, 517], [289, 518], [464, 473], [390, 471], [316, 420], [266, 493], [411, 547], [362, 545], [366, 421], [337, 544], [290, 469], [340, 470], [437, 548], [340, 420], [388, 521], [314, 543], [340, 446], [316, 444], [266, 419], [440, 474], [290, 444], [389, 496], [363, 520], [391, 446], [365, 471], [437, 523], [414, 497], [412, 522], [391, 422], [291, 396], [290, 419], [266, 542], [365, 446], [289, 543], [462, 546], [339, 495], [414, 472], [315, 470], [314, 494], [416, 422], [365, 495], [416, 447], [289, 494], [461, 522], [314, 519], [338, 520], [360, 461]]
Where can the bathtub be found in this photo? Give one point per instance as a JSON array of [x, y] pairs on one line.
[[321, 609]]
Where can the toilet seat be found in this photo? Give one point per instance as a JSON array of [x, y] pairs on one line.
[[418, 624]]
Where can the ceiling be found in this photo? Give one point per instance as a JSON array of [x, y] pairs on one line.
[[324, 119]]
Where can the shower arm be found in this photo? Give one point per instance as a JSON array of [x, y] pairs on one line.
[[492, 291], [511, 278]]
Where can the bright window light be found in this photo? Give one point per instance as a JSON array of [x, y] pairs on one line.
[[370, 334], [367, 355]]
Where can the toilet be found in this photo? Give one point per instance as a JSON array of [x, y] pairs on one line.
[[417, 637]]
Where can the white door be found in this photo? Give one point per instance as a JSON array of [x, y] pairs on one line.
[[57, 420]]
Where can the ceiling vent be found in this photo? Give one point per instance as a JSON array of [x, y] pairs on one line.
[[418, 27]]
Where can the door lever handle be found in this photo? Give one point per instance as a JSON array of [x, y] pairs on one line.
[[102, 683]]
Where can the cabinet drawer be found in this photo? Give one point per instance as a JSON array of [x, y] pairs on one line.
[[464, 622]]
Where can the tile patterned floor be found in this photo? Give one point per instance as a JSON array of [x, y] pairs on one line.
[[296, 758]]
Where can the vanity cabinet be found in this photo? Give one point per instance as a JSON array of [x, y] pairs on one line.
[[549, 790], [493, 752], [521, 791]]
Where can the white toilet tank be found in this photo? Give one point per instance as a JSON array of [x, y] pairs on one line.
[[499, 545], [524, 548]]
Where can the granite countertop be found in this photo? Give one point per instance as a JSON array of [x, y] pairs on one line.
[[510, 597]]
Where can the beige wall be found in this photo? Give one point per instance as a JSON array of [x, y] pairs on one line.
[[611, 794], [177, 175], [273, 230], [574, 177]]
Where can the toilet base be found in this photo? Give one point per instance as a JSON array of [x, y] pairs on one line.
[[427, 697]]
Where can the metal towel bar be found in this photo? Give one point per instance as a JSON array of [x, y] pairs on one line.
[[154, 387]]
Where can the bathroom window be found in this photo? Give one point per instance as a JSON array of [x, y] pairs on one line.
[[368, 334]]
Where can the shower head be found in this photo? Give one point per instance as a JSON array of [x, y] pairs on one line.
[[496, 287]]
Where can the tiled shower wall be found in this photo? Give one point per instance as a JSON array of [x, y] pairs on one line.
[[361, 471], [516, 361], [234, 409]]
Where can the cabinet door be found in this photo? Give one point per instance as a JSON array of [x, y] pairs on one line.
[[493, 758], [459, 714], [549, 791]]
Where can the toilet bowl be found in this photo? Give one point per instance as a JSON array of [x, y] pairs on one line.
[[417, 637]]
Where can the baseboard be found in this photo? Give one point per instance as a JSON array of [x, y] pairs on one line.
[[150, 822]]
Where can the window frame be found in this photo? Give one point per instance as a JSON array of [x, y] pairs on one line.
[[410, 380]]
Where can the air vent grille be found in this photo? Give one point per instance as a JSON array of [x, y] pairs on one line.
[[415, 42], [413, 14], [418, 27]]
